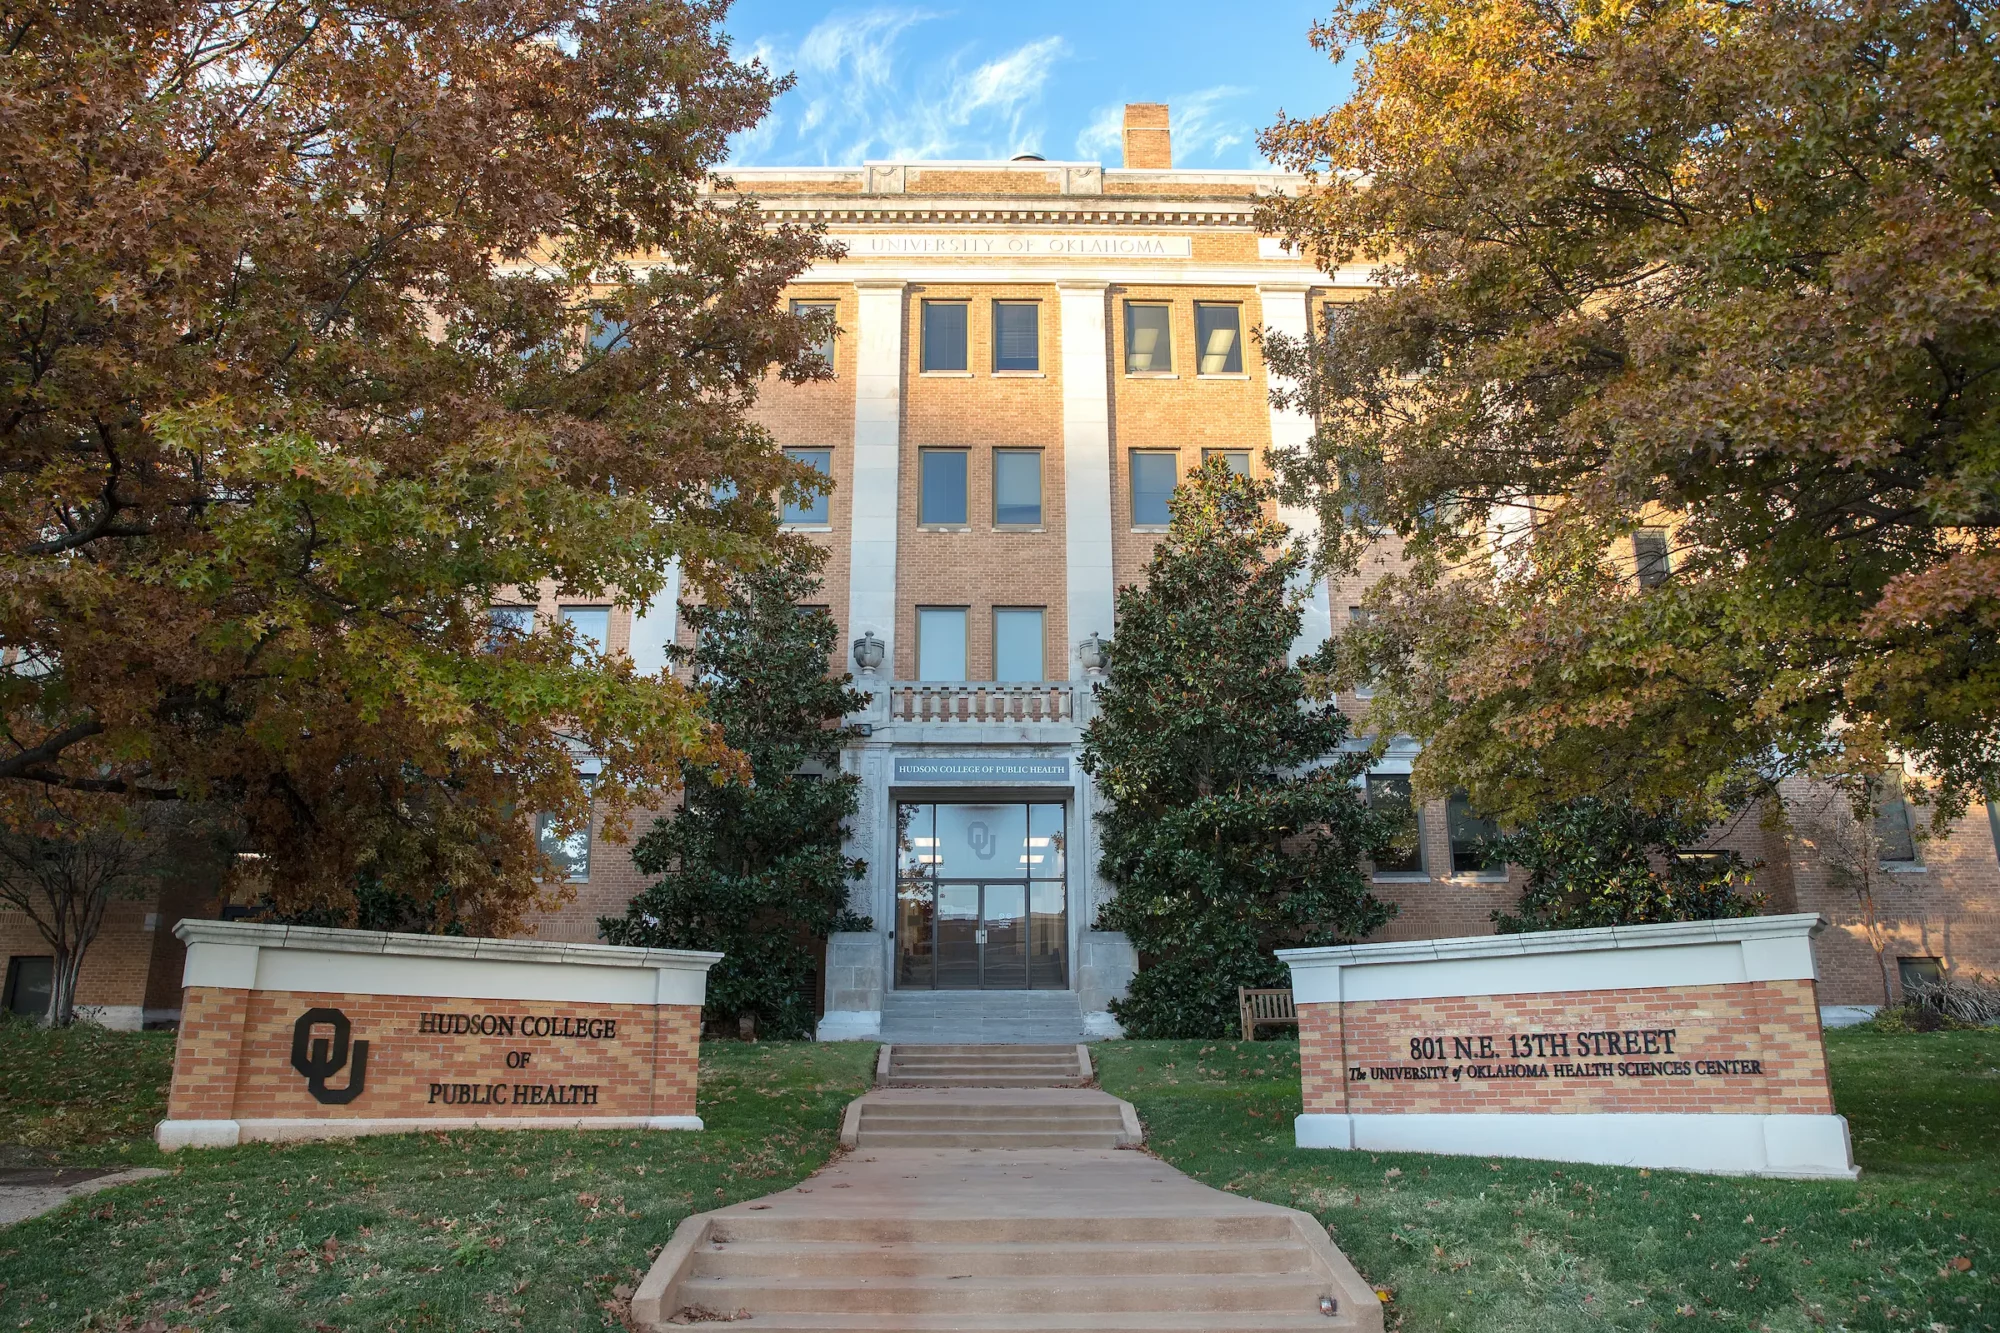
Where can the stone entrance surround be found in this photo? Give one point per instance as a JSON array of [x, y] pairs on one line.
[[1693, 1046], [296, 1032]]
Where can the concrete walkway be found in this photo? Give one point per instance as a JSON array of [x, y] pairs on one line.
[[30, 1192], [1027, 1240]]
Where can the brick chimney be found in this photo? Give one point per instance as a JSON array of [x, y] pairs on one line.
[[1149, 145]]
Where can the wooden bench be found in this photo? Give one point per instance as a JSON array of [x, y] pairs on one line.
[[1264, 1006]]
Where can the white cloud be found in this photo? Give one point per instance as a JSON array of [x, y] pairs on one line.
[[1104, 136], [859, 95]]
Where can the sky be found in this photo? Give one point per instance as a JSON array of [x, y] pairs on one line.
[[1003, 77]]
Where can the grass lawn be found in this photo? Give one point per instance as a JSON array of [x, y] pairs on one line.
[[1497, 1245], [532, 1230]]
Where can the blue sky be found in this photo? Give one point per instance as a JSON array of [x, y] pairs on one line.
[[1019, 76]]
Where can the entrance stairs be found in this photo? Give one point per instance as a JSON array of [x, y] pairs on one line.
[[982, 1017], [911, 1241], [982, 1066]]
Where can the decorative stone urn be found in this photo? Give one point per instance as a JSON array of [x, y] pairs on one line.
[[868, 652], [1094, 655]]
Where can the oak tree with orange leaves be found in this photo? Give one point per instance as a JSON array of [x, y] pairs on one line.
[[323, 327], [1729, 271]]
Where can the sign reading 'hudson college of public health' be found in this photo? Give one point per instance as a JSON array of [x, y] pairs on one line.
[[978, 771], [1022, 245]]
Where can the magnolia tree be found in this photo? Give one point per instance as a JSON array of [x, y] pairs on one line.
[[1234, 826], [323, 328], [1723, 271], [754, 868]]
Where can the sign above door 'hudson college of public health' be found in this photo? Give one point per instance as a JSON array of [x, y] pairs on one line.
[[1693, 1045], [291, 1032]]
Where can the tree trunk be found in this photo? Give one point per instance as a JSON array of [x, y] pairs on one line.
[[62, 988]]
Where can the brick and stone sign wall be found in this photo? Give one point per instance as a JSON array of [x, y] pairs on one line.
[[1689, 1045], [292, 1032]]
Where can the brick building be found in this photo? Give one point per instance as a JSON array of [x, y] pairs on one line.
[[1031, 354]]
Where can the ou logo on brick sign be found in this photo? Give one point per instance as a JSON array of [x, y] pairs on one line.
[[320, 1059]]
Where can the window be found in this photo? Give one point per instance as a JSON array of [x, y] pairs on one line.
[[1017, 488], [571, 852], [1237, 459], [504, 624], [1218, 332], [941, 502], [1649, 556], [816, 509], [1017, 335], [1919, 972], [1149, 346], [30, 978], [944, 335], [1895, 829], [592, 625], [1153, 479], [824, 349], [1469, 831], [1389, 793], [940, 643], [1993, 823], [606, 330], [1017, 643], [1333, 315], [1358, 618]]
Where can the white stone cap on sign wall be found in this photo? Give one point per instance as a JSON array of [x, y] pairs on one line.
[[250, 955], [1675, 953]]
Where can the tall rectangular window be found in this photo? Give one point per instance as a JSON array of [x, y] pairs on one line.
[[1153, 481], [1389, 793], [1149, 344], [1237, 459], [592, 625], [814, 510], [1017, 335], [1017, 488], [1895, 826], [824, 348], [1218, 333], [941, 497], [1649, 556], [570, 852], [504, 624], [940, 643], [1469, 833], [1358, 617], [1017, 643], [944, 335]]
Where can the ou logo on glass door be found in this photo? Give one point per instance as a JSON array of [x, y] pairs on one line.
[[981, 840]]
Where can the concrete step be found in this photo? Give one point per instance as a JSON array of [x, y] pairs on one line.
[[984, 1138], [998, 1117], [1166, 1228], [776, 1260], [1069, 1294], [983, 1081], [1102, 1322]]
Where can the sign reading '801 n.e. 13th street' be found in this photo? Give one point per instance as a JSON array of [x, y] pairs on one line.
[[1692, 1045], [293, 1032]]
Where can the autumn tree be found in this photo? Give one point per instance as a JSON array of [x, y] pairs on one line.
[[66, 857], [1233, 825], [1681, 390], [324, 326], [755, 868]]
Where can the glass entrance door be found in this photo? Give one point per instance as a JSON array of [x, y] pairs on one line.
[[959, 929]]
